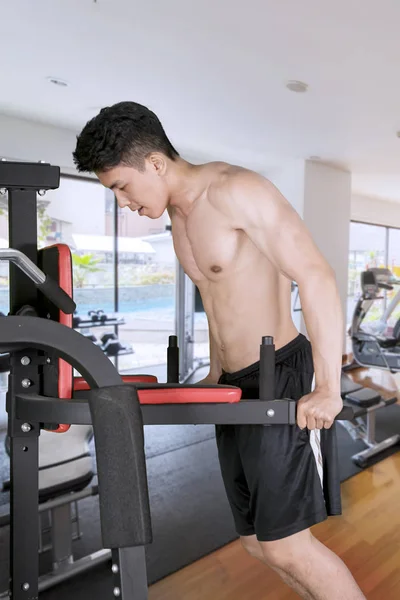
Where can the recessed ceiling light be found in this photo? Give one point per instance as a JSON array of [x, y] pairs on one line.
[[297, 86], [57, 81]]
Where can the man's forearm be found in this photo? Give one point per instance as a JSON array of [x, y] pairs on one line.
[[323, 317]]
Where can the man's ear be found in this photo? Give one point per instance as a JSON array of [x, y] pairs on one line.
[[158, 163]]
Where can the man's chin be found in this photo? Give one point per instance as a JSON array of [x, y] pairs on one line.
[[152, 216]]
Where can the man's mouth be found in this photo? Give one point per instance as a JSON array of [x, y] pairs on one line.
[[140, 210]]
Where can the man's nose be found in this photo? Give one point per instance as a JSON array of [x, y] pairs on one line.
[[122, 202]]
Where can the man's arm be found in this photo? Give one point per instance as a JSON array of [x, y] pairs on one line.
[[255, 206], [215, 366]]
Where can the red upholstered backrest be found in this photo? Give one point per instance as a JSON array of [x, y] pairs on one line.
[[56, 261]]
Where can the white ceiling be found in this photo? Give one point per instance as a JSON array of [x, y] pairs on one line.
[[215, 71]]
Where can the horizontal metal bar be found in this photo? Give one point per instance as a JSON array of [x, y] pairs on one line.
[[25, 175], [55, 502], [245, 412], [47, 286], [39, 409], [24, 263], [80, 566]]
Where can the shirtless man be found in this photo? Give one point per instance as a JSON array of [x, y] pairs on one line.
[[242, 244]]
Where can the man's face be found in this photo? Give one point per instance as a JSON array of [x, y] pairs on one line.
[[144, 191]]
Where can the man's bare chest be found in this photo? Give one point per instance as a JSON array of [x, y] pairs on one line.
[[208, 249]]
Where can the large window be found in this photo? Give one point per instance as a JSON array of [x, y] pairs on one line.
[[372, 246], [146, 291], [75, 214], [368, 248]]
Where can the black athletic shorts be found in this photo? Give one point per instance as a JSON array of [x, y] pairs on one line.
[[279, 479]]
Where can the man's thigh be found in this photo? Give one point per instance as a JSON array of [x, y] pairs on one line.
[[285, 488]]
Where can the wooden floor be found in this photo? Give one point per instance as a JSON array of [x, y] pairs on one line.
[[366, 537]]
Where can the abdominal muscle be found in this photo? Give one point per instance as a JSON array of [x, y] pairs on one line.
[[242, 307]]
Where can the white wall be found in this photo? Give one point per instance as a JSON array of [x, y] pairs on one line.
[[375, 211], [30, 141], [327, 210], [289, 179], [81, 203]]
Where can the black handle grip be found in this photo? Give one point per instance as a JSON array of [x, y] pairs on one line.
[[55, 294], [267, 368], [173, 360]]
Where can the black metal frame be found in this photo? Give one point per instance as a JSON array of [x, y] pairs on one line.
[[22, 185], [28, 340]]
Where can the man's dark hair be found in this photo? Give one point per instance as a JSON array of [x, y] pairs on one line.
[[125, 133]]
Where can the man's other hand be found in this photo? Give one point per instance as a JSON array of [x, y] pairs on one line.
[[318, 409]]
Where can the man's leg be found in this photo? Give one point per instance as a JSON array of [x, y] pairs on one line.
[[255, 549], [307, 566]]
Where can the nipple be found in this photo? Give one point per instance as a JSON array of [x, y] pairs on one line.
[[216, 269]]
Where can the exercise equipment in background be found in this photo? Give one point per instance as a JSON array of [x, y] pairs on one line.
[[109, 342], [365, 403], [371, 346]]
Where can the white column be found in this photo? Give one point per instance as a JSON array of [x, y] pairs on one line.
[[290, 179], [327, 213], [321, 194]]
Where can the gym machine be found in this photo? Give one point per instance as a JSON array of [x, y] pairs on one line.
[[372, 348], [117, 410], [31, 343]]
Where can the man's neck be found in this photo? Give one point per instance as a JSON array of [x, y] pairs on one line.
[[187, 183]]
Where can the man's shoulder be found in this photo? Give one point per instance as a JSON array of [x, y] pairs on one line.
[[227, 175], [233, 185]]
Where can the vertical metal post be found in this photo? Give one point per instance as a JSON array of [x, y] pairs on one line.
[[184, 317], [24, 491], [386, 264], [61, 536], [22, 227], [180, 316], [189, 323], [24, 454], [371, 427], [130, 573], [267, 368], [116, 270]]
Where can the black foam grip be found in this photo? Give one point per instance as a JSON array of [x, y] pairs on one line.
[[56, 294], [173, 360], [121, 466], [267, 369]]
